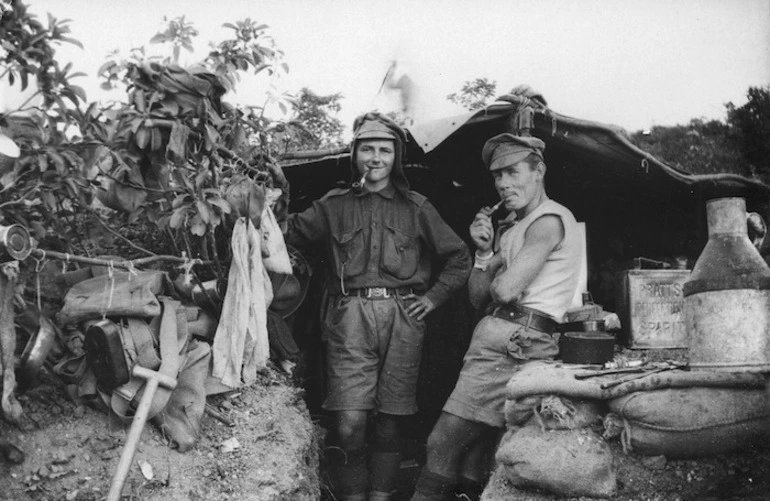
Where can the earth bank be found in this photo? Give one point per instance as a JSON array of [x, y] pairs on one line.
[[270, 453]]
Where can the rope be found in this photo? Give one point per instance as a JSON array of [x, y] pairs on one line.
[[111, 285], [38, 269]]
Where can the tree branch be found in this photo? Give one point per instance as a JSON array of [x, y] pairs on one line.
[[128, 265]]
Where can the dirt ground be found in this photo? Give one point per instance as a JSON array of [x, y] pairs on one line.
[[743, 476], [270, 453]]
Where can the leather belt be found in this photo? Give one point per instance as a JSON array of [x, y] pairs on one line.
[[527, 317], [380, 292]]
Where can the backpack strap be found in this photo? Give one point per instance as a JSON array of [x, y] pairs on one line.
[[173, 340]]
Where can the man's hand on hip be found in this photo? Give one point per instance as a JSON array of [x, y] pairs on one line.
[[418, 306]]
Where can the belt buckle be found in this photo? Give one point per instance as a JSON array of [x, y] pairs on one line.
[[375, 292]]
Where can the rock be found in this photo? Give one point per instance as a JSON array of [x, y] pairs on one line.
[[656, 463]]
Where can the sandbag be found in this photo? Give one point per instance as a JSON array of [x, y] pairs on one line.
[[693, 422], [553, 412], [566, 462]]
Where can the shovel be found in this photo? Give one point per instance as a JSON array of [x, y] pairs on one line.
[[154, 379]]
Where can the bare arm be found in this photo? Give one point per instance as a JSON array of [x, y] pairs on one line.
[[480, 281], [542, 236], [482, 233]]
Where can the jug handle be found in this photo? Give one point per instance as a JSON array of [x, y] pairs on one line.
[[757, 229]]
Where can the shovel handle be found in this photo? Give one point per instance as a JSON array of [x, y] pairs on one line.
[[137, 426]]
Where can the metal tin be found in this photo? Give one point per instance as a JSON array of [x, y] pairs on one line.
[[104, 353], [586, 347], [727, 299], [728, 330], [15, 243], [651, 309], [35, 353]]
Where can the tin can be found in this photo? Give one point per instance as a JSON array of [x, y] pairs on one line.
[[727, 298], [15, 243], [651, 309]]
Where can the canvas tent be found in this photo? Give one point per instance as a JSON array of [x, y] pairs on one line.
[[634, 204]]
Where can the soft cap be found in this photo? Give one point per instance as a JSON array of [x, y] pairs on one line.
[[375, 125], [507, 149]]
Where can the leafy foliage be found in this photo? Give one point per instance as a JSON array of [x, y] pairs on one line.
[[179, 33], [174, 160], [314, 125], [700, 147], [45, 188], [474, 94], [740, 144], [751, 127]]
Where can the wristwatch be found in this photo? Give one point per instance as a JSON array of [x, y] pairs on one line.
[[482, 262]]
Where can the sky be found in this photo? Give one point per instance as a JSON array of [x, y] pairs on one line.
[[634, 64]]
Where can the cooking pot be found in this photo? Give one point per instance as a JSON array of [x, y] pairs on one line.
[[586, 342]]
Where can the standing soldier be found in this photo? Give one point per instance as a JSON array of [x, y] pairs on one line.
[[378, 240]]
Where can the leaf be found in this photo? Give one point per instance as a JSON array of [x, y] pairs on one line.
[[106, 66], [178, 217], [146, 469], [157, 139], [198, 227], [179, 200], [72, 41], [169, 108], [136, 123], [142, 137], [221, 203], [139, 100], [57, 160], [79, 92], [204, 211], [176, 150], [212, 135], [159, 38], [48, 199]]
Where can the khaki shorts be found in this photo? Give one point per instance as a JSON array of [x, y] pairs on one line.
[[373, 353], [498, 349]]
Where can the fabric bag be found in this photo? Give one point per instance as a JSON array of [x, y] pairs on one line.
[[693, 422], [159, 342], [569, 463], [118, 294]]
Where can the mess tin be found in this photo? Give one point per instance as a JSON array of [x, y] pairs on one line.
[[586, 342]]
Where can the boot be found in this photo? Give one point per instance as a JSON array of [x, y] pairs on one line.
[[433, 487], [469, 490]]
